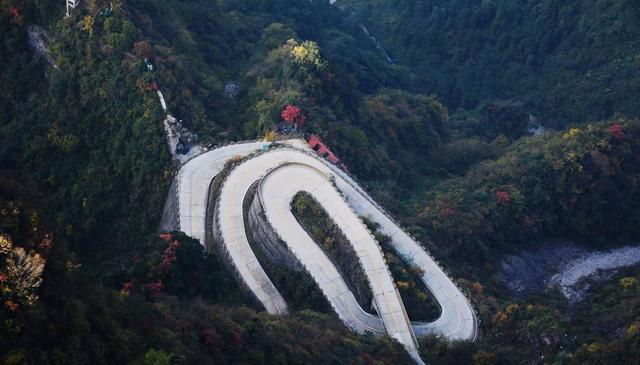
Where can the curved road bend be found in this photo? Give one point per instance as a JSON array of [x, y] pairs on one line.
[[457, 321], [276, 192]]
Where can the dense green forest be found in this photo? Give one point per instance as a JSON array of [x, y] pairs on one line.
[[568, 61], [439, 137]]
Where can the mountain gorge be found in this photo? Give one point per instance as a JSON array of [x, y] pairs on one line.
[[442, 137], [568, 61]]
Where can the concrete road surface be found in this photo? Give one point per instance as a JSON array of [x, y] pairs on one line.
[[283, 172]]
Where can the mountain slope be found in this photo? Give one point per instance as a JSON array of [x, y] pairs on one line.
[[84, 168], [569, 61]]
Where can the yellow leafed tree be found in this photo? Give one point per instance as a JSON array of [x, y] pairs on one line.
[[86, 24], [306, 53], [23, 272], [5, 244]]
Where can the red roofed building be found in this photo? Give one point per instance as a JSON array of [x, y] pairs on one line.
[[323, 151]]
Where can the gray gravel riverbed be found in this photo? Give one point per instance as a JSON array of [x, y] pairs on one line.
[[569, 266]]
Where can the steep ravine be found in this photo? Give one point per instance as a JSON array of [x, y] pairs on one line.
[[565, 265]]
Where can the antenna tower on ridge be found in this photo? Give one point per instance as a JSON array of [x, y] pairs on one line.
[[71, 4]]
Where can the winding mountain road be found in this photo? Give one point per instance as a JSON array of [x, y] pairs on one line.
[[280, 173]]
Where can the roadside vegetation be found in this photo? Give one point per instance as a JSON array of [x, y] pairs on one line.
[[419, 302], [322, 229]]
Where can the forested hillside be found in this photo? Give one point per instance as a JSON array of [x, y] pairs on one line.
[[568, 61], [439, 137], [85, 166]]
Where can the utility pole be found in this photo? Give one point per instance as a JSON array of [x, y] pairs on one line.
[[71, 4]]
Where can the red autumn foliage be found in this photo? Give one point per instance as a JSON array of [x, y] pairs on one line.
[[10, 305], [47, 242], [503, 197], [127, 287], [447, 209], [181, 326], [3, 278], [292, 114], [169, 255], [616, 131], [237, 339], [212, 339], [154, 287], [178, 325], [166, 236], [368, 359], [447, 212], [15, 14]]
